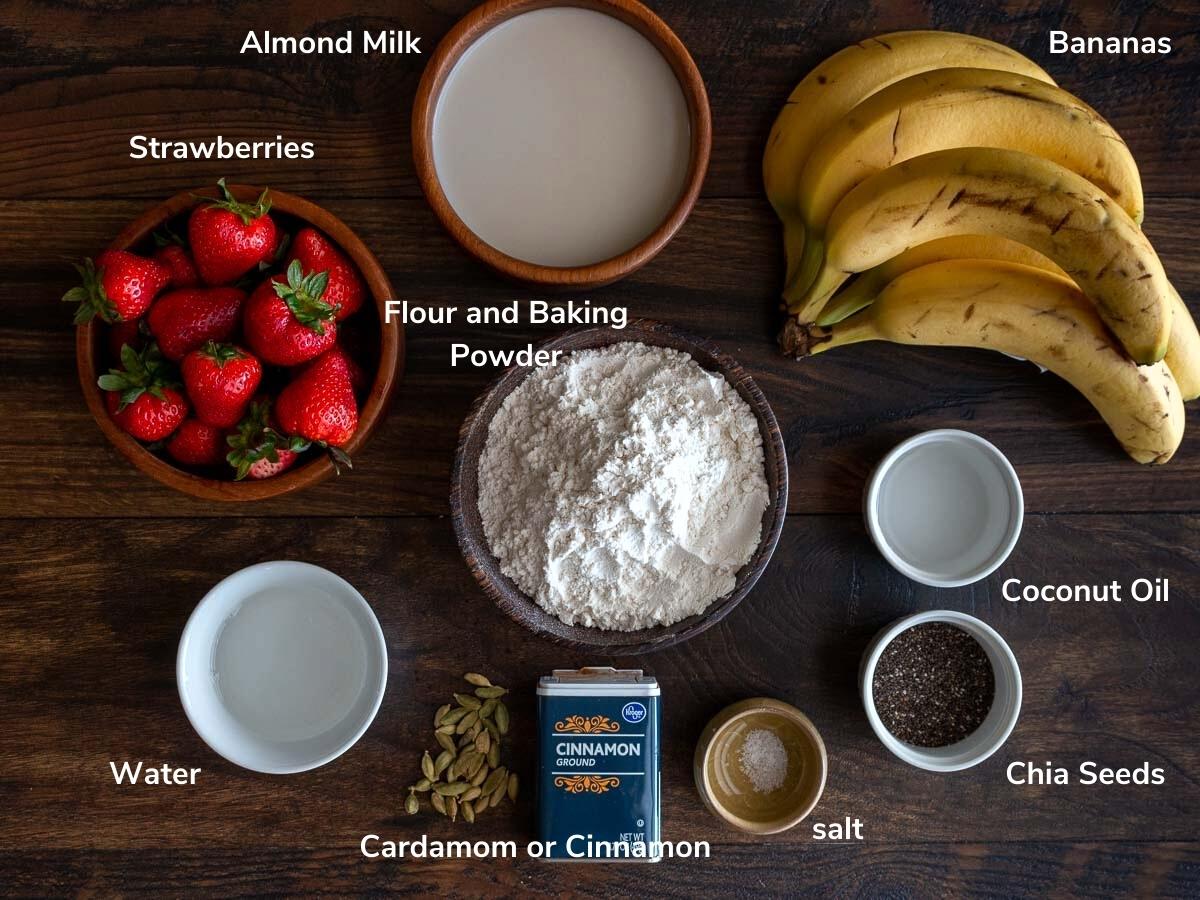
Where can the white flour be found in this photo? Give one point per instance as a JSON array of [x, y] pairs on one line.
[[623, 488]]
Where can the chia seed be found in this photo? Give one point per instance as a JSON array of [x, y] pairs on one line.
[[933, 685]]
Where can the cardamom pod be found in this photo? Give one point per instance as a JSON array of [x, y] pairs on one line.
[[476, 763], [478, 778], [454, 716], [446, 742], [489, 707], [483, 742], [468, 701], [513, 787], [471, 794], [437, 716], [451, 790], [439, 803], [496, 779], [476, 679], [489, 693], [422, 785], [412, 805], [452, 809], [467, 722], [480, 805], [502, 721], [444, 729], [491, 727], [493, 754], [439, 766], [465, 740], [496, 797], [451, 775], [427, 766], [468, 812]]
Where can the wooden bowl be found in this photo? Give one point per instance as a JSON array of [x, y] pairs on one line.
[[89, 355], [460, 38], [468, 525]]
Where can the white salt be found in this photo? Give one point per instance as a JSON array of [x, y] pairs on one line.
[[764, 761]]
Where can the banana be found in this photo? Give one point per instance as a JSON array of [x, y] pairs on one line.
[[1025, 312], [843, 80], [863, 289], [985, 191], [1183, 354], [959, 108]]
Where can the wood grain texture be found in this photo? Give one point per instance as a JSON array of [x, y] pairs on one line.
[[100, 566]]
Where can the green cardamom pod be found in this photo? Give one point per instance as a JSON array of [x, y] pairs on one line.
[[513, 787], [427, 766], [476, 679], [444, 759], [444, 729], [493, 755], [452, 809], [489, 693], [468, 812], [498, 778], [437, 716], [496, 797], [489, 707], [502, 721], [468, 701], [451, 790], [412, 805], [439, 803], [483, 742], [471, 794], [422, 785], [467, 722]]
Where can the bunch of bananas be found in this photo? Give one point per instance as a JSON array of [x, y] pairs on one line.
[[977, 204]]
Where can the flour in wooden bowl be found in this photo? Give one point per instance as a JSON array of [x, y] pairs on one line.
[[623, 488]]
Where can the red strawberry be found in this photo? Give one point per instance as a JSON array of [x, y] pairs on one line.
[[182, 269], [258, 450], [118, 287], [319, 403], [141, 398], [287, 322], [122, 333], [221, 380], [359, 379], [229, 238], [197, 443], [316, 253], [187, 319]]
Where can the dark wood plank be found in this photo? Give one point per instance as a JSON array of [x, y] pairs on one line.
[[839, 413], [93, 610], [179, 76], [1167, 870]]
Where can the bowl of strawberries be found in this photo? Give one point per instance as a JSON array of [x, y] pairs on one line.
[[233, 343]]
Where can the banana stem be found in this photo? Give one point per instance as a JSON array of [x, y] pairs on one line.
[[859, 294], [796, 288], [794, 235], [799, 339]]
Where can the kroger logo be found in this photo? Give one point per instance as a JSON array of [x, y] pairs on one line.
[[633, 712]]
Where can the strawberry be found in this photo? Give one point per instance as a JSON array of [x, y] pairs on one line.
[[197, 443], [229, 238], [287, 322], [258, 450], [118, 287], [141, 397], [179, 264], [183, 320], [221, 380], [359, 379], [316, 253], [319, 402]]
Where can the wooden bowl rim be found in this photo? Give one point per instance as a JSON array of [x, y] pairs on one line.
[[459, 39], [391, 353], [523, 609]]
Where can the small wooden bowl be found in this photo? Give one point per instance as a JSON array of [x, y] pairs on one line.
[[89, 355], [468, 525], [475, 25]]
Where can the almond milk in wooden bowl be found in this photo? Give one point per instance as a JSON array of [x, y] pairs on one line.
[[562, 142]]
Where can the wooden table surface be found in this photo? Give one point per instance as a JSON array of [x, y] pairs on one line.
[[101, 566]]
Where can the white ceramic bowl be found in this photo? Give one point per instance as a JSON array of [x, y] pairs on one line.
[[281, 667], [944, 508], [1000, 721]]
